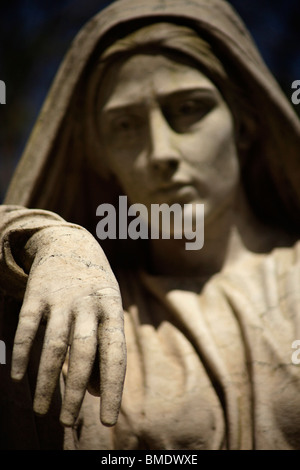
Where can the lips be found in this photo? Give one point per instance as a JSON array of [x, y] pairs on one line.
[[181, 192], [174, 186]]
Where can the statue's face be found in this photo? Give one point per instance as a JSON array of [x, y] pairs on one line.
[[168, 134]]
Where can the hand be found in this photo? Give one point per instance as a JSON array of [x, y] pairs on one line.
[[71, 285]]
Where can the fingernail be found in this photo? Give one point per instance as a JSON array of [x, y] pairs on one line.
[[66, 419], [16, 375], [108, 418]]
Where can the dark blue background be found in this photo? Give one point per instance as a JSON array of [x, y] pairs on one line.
[[34, 36]]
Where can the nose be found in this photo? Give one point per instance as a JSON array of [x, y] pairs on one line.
[[163, 151]]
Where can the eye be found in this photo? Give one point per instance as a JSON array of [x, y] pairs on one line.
[[124, 124], [184, 112], [189, 107], [122, 128]]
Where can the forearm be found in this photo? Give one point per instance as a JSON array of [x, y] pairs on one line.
[[62, 276], [19, 229]]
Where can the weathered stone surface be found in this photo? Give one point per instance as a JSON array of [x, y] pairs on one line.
[[169, 114]]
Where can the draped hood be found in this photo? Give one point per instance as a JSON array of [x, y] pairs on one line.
[[54, 172]]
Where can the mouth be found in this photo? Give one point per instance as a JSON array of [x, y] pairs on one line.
[[182, 192], [173, 186]]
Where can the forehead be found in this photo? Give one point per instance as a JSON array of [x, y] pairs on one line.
[[143, 77]]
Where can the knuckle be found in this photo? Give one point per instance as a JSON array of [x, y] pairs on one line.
[[56, 347], [108, 291]]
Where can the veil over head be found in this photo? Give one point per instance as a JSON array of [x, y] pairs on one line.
[[55, 172]]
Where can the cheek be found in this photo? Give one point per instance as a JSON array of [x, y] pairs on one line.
[[211, 153], [219, 133], [226, 156], [225, 173], [218, 147], [130, 175]]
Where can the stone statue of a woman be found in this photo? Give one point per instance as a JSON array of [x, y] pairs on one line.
[[164, 102]]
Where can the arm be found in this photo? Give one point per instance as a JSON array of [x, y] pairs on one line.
[[66, 281]]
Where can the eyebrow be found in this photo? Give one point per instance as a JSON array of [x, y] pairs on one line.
[[115, 107]]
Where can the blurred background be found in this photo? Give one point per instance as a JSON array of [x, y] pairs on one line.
[[35, 35]]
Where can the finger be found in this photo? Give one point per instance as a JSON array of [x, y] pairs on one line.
[[112, 359], [29, 320], [53, 354], [82, 355]]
